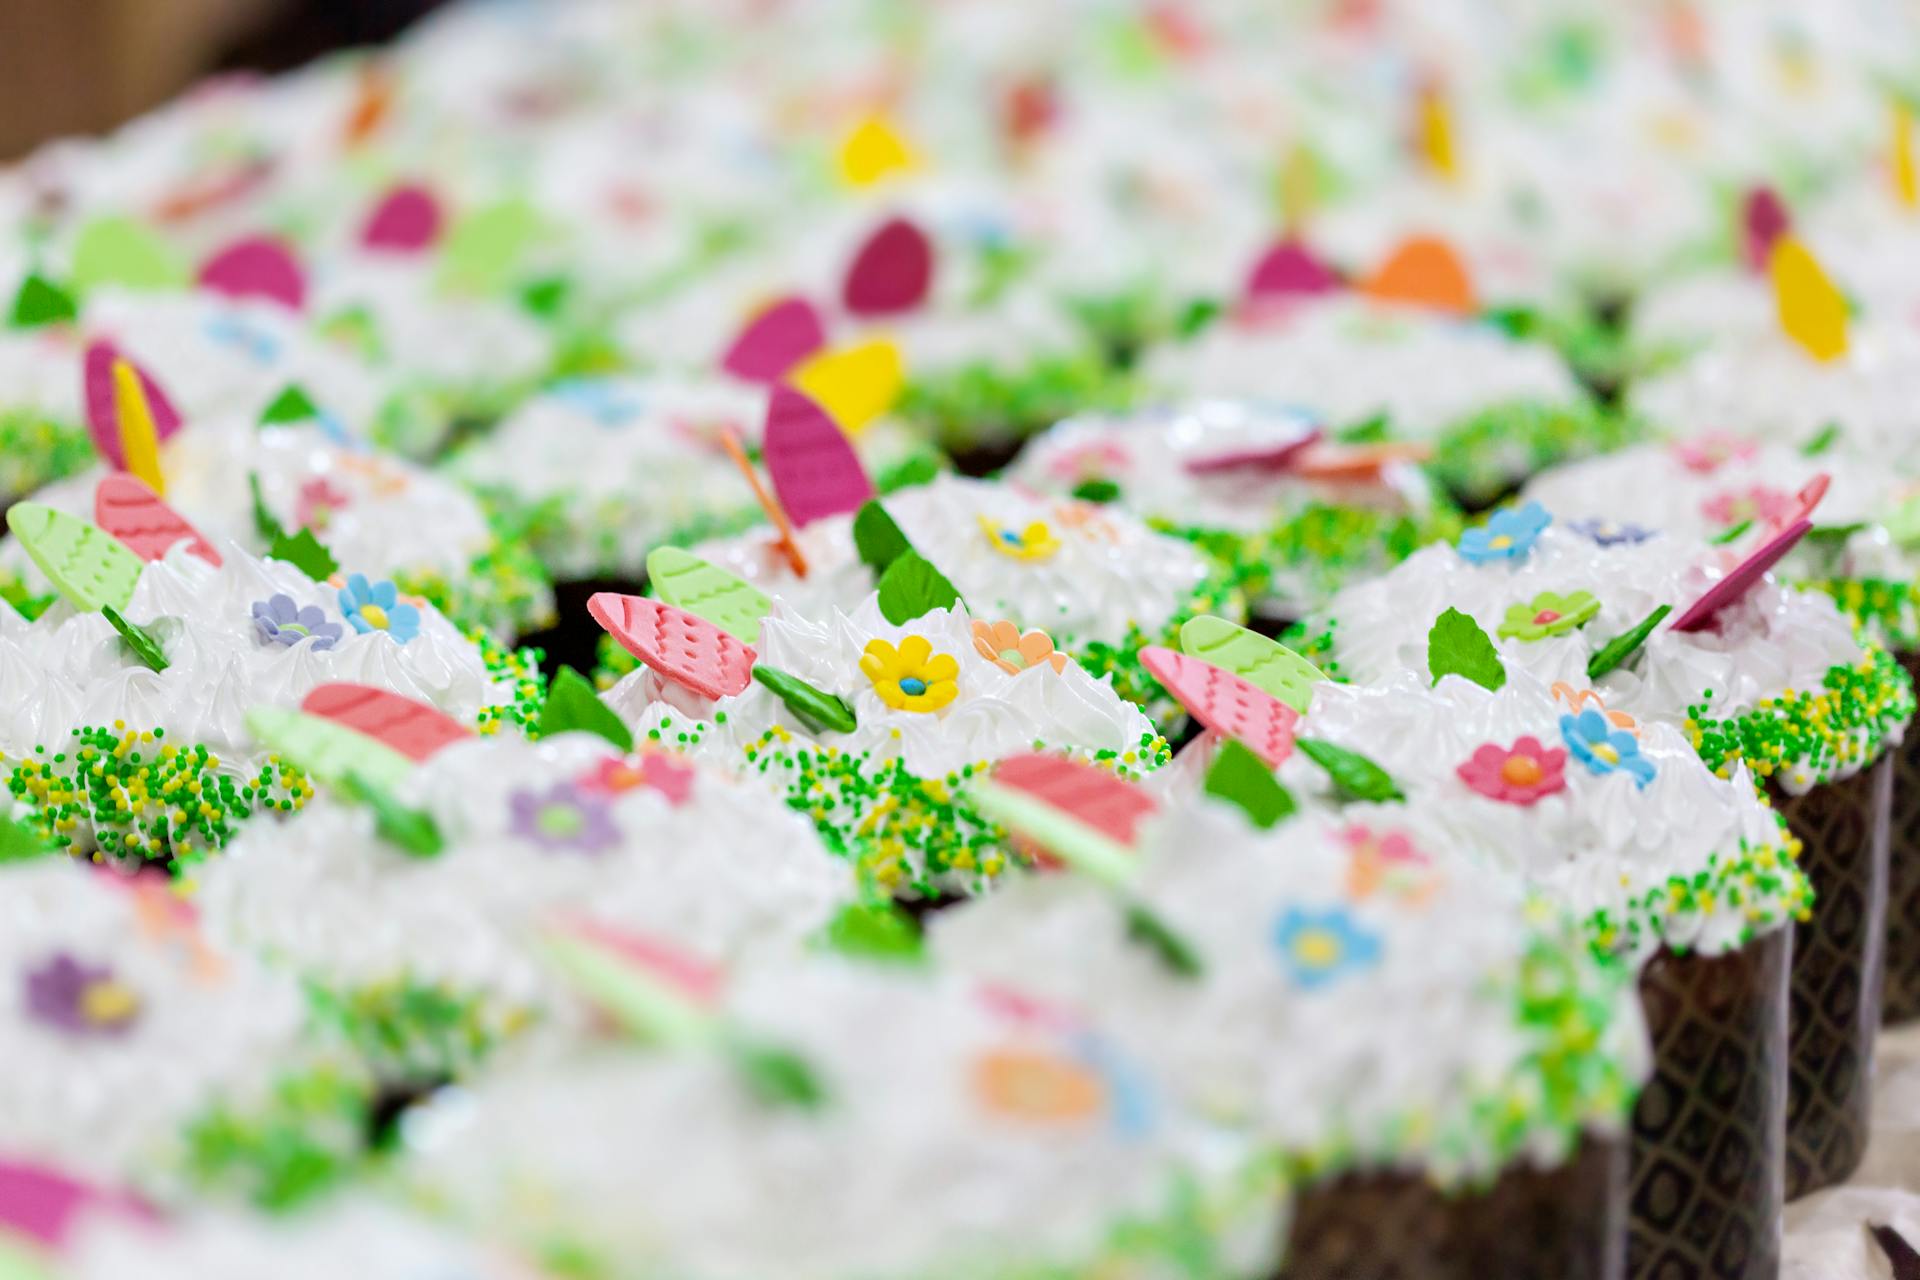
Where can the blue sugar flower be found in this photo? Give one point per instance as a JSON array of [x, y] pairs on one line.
[[1604, 749], [1508, 535], [376, 607], [1318, 947]]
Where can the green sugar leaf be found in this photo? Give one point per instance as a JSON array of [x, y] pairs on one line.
[[875, 931], [815, 708], [545, 298], [88, 566], [138, 639], [412, 830], [877, 537], [1621, 647], [124, 251], [685, 581], [1457, 646], [484, 250], [1264, 663], [573, 705], [1097, 491], [291, 405], [304, 552], [911, 587], [776, 1077], [1356, 777], [1242, 779], [1370, 431], [264, 522], [1172, 950], [1727, 535], [1834, 534], [1823, 440], [1196, 316], [41, 302], [20, 842]]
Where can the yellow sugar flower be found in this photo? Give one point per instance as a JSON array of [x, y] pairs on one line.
[[1035, 542], [912, 677]]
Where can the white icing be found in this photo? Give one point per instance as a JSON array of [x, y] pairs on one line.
[[358, 1237], [730, 873], [72, 669], [375, 513], [1110, 572], [1769, 388], [993, 714], [1654, 487], [1772, 640], [1599, 844], [1347, 359], [208, 1027], [907, 1169], [1442, 1026]]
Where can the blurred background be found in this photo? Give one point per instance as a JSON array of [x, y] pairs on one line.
[[81, 66]]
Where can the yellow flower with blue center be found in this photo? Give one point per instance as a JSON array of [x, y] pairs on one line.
[[1035, 542], [912, 677], [1319, 947]]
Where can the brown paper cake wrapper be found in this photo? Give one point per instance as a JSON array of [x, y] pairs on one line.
[[1838, 963], [1566, 1223], [1707, 1162], [1902, 999]]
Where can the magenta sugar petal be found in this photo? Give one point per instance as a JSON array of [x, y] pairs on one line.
[[130, 511], [776, 340], [407, 220], [1289, 269], [1701, 612], [103, 420], [1224, 703], [257, 267], [1272, 458], [1763, 219], [892, 272], [815, 471]]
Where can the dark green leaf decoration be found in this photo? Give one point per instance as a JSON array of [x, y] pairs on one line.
[[776, 1077], [291, 405], [139, 641], [269, 529], [412, 830], [41, 302], [572, 704], [1727, 535], [1834, 534], [304, 552], [1823, 440], [1370, 431], [815, 708], [1097, 490], [20, 842], [1354, 776], [1457, 646], [545, 298], [1196, 316], [877, 537], [1621, 647], [1242, 779], [875, 931], [911, 587], [1172, 950]]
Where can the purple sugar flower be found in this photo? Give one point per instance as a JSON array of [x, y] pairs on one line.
[[80, 999], [563, 817], [278, 620]]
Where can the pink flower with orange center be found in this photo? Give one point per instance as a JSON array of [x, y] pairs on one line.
[[1520, 774]]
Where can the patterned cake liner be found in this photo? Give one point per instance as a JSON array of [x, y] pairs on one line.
[[1708, 1160], [1901, 1001], [1838, 967], [1567, 1222]]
